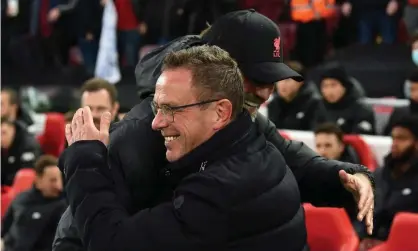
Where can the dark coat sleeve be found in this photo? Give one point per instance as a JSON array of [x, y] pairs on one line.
[[105, 225], [317, 177], [66, 236]]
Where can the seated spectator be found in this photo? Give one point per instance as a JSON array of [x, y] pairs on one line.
[[11, 109], [343, 103], [400, 112], [33, 216], [396, 181], [414, 47], [19, 149], [100, 96], [296, 105], [329, 141]]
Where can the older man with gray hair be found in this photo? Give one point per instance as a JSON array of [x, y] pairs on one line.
[[234, 190]]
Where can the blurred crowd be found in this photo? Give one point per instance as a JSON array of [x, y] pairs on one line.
[[52, 35], [42, 34]]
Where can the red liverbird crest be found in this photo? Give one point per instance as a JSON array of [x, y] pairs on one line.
[[276, 43]]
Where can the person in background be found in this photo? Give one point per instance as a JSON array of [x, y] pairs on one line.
[[414, 49], [88, 22], [130, 29], [329, 142], [100, 96], [19, 149], [374, 15], [32, 217], [11, 109], [396, 181], [311, 34], [411, 16], [296, 105], [412, 108], [343, 104]]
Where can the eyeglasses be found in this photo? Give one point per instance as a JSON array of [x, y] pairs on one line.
[[169, 111]]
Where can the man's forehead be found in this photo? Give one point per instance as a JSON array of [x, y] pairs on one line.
[[174, 86], [100, 96]]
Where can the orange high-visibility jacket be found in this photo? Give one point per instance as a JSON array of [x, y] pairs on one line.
[[308, 10]]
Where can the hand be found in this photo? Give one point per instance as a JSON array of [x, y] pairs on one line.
[[346, 9], [82, 127], [392, 7], [54, 14], [142, 28], [89, 36], [103, 2], [361, 188]]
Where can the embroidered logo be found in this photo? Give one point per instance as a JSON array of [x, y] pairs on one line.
[[276, 43]]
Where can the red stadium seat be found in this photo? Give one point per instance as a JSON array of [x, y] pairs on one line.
[[284, 135], [363, 150], [403, 234], [329, 229], [23, 180], [52, 141]]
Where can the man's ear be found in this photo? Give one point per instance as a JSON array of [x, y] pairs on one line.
[[223, 113]]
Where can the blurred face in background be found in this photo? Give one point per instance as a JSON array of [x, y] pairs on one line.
[[404, 144], [414, 91], [415, 52], [50, 182], [8, 110], [255, 95], [288, 88], [8, 132], [99, 102], [329, 146], [332, 90]]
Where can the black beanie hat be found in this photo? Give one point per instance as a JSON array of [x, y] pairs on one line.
[[409, 122], [339, 74]]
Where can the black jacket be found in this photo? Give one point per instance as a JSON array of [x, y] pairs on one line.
[[351, 114], [233, 192], [139, 153], [22, 153], [393, 196], [30, 221], [304, 112]]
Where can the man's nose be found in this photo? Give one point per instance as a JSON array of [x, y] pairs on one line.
[[159, 122], [265, 92]]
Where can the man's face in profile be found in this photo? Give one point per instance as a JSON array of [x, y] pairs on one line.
[[99, 102], [182, 129], [328, 146]]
